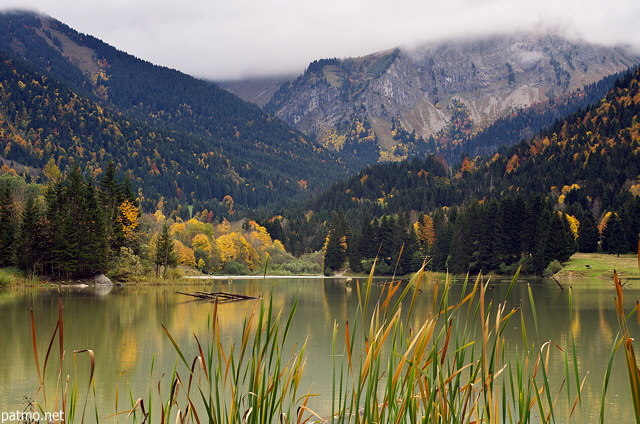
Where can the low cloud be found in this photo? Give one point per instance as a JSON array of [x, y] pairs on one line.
[[221, 40]]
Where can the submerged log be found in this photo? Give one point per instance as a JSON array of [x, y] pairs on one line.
[[221, 296]]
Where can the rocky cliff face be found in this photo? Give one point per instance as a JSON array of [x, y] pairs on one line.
[[421, 87]]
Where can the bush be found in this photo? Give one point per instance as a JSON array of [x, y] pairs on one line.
[[6, 278], [366, 265], [552, 268], [383, 268], [174, 273], [235, 268], [14, 277], [126, 265], [286, 263]]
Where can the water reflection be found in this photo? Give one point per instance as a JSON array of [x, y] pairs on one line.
[[122, 325]]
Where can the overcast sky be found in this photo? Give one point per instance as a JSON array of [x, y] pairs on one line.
[[222, 39]]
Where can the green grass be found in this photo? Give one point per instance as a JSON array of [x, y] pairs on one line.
[[600, 265], [11, 277]]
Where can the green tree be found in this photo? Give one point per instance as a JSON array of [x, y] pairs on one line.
[[588, 235], [614, 236], [336, 244], [31, 245], [78, 242], [165, 252], [7, 225]]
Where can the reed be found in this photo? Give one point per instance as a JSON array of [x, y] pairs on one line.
[[624, 340], [454, 367]]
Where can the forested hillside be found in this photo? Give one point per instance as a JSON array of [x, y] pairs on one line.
[[516, 207], [80, 100]]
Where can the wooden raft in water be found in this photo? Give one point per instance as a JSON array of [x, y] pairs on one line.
[[220, 296]]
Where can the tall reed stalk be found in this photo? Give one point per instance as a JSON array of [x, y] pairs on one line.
[[455, 366]]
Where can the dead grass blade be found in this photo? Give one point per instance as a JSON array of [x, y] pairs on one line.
[[93, 367]]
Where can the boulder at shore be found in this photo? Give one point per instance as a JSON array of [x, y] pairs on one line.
[[102, 280]]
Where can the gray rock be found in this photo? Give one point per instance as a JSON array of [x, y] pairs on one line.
[[102, 280]]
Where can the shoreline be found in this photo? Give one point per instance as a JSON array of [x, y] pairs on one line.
[[261, 277]]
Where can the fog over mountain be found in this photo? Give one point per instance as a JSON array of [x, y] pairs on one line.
[[230, 40]]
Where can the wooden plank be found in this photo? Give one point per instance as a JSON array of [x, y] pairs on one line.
[[222, 296]]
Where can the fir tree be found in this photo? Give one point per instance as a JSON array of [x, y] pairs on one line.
[[588, 235], [31, 248], [7, 226], [336, 245], [615, 236], [165, 252]]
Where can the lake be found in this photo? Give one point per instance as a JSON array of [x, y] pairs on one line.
[[122, 326]]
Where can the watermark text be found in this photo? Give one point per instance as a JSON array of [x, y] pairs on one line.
[[31, 417]]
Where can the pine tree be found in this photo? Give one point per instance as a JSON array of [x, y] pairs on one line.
[[165, 252], [615, 236], [336, 245], [7, 226], [94, 239], [110, 199], [31, 248], [78, 242], [588, 235]]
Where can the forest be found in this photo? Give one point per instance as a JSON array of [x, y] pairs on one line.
[[572, 187], [74, 227]]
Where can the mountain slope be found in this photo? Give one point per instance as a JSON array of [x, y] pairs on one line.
[[574, 185], [260, 154], [424, 87], [589, 162]]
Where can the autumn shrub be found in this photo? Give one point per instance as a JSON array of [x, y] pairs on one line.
[[127, 265], [287, 264], [552, 268], [175, 273]]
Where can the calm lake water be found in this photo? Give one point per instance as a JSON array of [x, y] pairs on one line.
[[123, 328]]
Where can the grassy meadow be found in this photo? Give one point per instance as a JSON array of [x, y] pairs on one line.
[[600, 265]]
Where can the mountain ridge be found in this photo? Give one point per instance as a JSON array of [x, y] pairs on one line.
[[260, 153], [418, 86]]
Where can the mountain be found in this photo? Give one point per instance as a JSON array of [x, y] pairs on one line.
[[258, 91], [586, 166], [70, 97], [596, 149], [421, 90], [456, 140]]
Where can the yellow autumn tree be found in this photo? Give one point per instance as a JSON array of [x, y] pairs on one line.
[[258, 237], [159, 216], [184, 254], [234, 247], [226, 248], [425, 231], [202, 242], [128, 218], [574, 224], [206, 253], [246, 254], [603, 222], [223, 228]]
